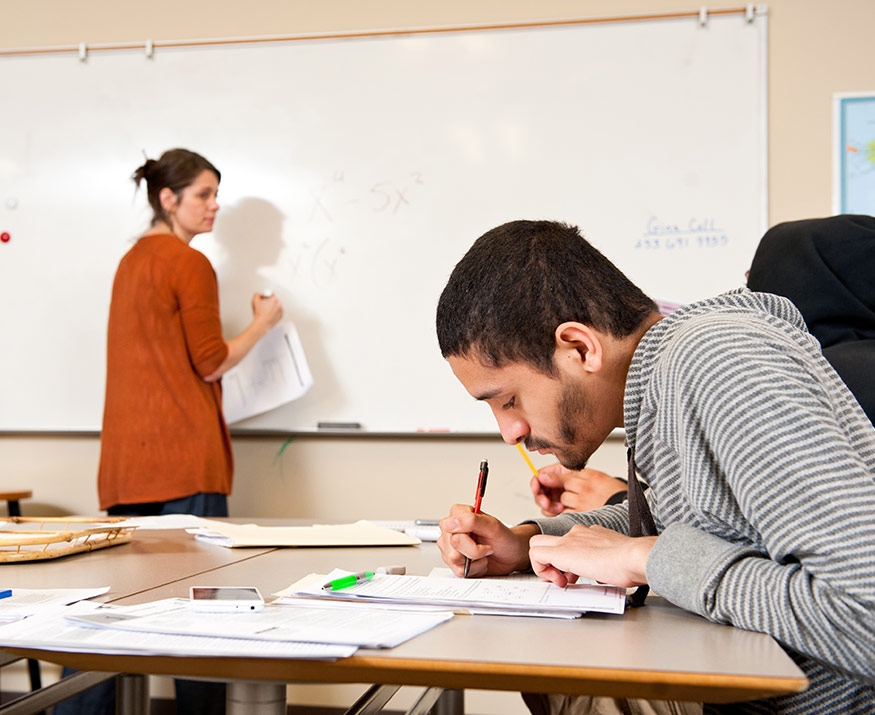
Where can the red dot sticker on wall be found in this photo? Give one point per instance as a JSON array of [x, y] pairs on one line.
[[5, 237]]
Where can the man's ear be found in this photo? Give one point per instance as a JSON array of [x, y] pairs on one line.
[[168, 199], [580, 343]]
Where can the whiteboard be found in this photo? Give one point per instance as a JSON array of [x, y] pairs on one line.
[[356, 172]]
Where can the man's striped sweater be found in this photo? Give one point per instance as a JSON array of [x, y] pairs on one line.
[[761, 466]]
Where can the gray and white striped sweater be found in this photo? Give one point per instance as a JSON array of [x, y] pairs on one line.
[[761, 468]]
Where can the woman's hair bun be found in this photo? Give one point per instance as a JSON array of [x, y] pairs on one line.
[[144, 171]]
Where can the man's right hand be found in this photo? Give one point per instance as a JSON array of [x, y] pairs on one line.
[[494, 549]]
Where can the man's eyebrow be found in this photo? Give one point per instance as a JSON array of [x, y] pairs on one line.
[[490, 394]]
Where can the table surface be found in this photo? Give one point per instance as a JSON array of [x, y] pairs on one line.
[[655, 652], [15, 494]]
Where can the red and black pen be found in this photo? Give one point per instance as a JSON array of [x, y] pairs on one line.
[[478, 499]]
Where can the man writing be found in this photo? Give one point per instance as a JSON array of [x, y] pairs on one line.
[[760, 463]]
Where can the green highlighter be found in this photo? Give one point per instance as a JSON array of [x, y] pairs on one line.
[[352, 579]]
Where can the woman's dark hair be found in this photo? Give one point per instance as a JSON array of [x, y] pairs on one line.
[[176, 169], [521, 280]]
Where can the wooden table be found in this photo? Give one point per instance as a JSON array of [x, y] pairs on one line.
[[13, 498], [656, 652]]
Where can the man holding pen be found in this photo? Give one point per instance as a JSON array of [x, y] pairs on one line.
[[760, 463]]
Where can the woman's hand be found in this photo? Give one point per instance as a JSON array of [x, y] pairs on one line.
[[267, 310]]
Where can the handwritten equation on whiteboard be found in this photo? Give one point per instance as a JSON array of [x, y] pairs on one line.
[[339, 196], [329, 221], [693, 234]]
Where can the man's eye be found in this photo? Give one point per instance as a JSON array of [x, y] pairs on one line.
[[509, 404]]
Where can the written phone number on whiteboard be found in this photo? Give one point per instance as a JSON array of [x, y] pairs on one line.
[[696, 233]]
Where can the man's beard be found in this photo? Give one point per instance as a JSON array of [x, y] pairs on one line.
[[574, 414], [573, 417]]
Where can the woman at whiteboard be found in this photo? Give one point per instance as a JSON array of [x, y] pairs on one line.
[[165, 447]]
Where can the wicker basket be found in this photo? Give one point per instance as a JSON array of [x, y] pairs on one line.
[[40, 538]]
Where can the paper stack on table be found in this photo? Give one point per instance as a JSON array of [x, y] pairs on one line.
[[59, 632], [481, 595], [305, 629], [304, 622], [24, 602], [361, 533]]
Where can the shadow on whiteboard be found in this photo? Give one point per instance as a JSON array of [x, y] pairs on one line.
[[246, 243]]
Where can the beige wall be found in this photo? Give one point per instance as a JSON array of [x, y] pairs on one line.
[[815, 49]]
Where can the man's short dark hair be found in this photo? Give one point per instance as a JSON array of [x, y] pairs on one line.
[[521, 280]]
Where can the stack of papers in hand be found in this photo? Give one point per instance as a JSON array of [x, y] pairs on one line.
[[273, 373], [479, 595]]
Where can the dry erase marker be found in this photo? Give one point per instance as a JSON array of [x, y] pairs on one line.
[[346, 581], [5, 592], [267, 293], [478, 499], [339, 425]]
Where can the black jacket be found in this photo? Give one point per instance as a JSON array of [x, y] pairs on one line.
[[826, 267]]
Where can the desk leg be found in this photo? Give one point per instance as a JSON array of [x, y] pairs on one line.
[[451, 702], [132, 694], [255, 698]]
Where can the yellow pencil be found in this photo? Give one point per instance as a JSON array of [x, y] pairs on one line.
[[519, 446]]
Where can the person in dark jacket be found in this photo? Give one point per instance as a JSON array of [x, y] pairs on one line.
[[826, 267]]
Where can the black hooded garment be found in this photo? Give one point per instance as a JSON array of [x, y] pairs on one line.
[[826, 267]]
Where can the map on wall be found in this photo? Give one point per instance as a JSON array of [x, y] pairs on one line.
[[854, 185]]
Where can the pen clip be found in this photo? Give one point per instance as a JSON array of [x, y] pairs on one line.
[[481, 483]]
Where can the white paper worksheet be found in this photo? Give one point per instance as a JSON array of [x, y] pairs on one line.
[[273, 373], [55, 632], [519, 596], [303, 621]]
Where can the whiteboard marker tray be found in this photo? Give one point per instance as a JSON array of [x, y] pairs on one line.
[[41, 538]]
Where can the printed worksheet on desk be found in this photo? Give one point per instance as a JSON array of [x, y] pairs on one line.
[[520, 596], [298, 622], [54, 632]]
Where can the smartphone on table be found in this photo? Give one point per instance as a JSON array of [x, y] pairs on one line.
[[225, 599]]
